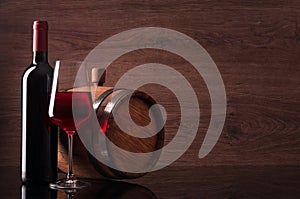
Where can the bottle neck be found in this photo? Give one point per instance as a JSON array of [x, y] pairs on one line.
[[40, 57], [40, 42]]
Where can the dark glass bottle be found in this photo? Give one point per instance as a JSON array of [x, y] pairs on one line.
[[39, 136]]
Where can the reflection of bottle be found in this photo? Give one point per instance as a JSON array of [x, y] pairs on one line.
[[34, 191], [39, 137]]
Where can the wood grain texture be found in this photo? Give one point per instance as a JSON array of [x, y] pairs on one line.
[[255, 44]]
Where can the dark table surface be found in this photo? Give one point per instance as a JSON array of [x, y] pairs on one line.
[[175, 182]]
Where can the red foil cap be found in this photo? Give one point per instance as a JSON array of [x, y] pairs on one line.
[[40, 36]]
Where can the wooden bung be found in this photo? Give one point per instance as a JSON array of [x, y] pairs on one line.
[[111, 101]]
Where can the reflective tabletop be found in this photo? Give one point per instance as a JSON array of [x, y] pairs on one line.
[[174, 182]]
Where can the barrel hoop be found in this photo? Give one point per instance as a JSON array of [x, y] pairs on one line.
[[100, 99]]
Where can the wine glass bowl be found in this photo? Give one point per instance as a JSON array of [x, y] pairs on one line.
[[63, 115]]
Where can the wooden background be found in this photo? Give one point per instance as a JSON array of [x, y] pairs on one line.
[[255, 44]]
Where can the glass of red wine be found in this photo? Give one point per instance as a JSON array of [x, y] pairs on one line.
[[64, 98]]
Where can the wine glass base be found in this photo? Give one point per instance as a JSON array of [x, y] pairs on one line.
[[66, 184]]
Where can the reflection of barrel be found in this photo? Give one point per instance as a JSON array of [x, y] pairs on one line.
[[108, 103], [108, 189]]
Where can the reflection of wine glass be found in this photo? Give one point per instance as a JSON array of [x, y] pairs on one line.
[[63, 99]]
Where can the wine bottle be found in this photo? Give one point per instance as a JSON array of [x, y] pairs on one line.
[[39, 135]]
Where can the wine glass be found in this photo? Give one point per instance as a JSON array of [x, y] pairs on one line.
[[64, 98]]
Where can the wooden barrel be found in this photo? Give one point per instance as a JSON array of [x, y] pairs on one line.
[[108, 103]]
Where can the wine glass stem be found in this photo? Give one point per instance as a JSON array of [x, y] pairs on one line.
[[70, 175]]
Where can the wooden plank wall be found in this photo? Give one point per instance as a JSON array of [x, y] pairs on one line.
[[255, 44]]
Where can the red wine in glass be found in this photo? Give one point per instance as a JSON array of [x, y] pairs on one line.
[[63, 114]]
